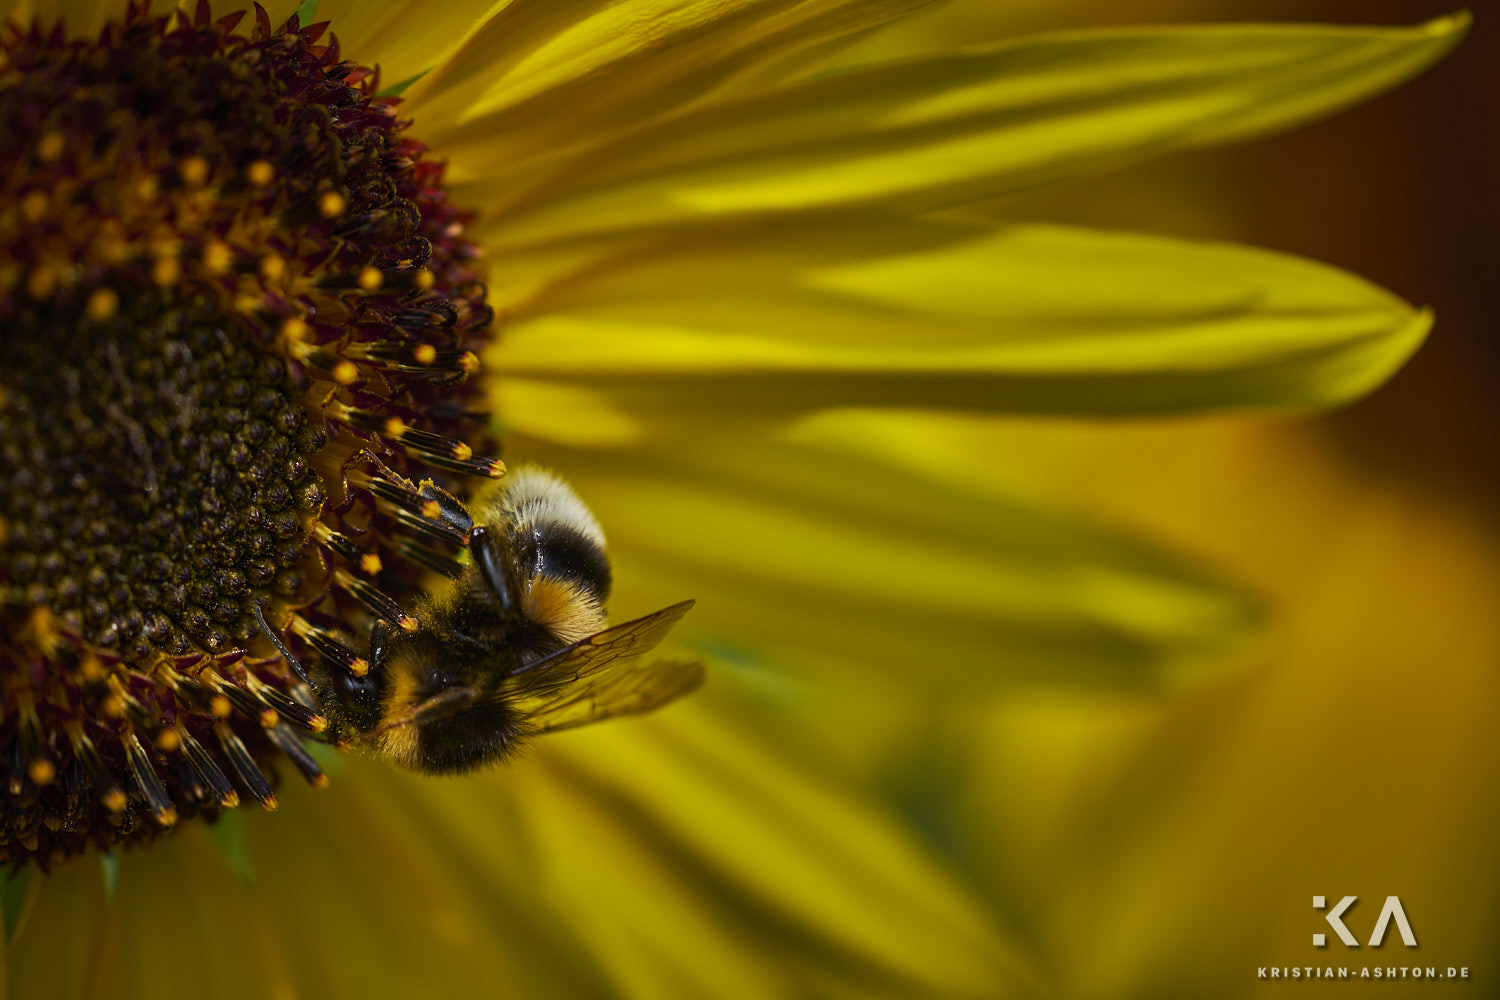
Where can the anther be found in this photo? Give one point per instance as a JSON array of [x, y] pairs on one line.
[[219, 787], [290, 744], [430, 559], [287, 707], [374, 601], [106, 788], [329, 646], [250, 775], [147, 780]]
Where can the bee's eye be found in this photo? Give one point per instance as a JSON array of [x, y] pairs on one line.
[[361, 696]]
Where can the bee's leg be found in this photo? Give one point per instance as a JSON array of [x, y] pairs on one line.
[[279, 643]]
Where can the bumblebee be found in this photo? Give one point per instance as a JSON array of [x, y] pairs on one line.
[[516, 646]]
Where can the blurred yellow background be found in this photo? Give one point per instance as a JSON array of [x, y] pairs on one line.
[[1153, 847]]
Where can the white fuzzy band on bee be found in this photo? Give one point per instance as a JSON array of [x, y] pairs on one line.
[[532, 495]]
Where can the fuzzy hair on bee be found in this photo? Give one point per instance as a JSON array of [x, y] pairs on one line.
[[514, 646]]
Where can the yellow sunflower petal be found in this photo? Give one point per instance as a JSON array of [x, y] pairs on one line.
[[842, 569], [824, 892], [778, 319], [933, 132], [402, 37], [686, 861], [539, 75]]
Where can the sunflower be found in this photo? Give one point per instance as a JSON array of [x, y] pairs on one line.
[[263, 275]]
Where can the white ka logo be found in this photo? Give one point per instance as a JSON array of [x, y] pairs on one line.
[[1391, 911]]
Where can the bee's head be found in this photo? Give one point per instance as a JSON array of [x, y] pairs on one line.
[[437, 709]]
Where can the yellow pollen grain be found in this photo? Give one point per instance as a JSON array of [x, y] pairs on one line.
[[272, 267], [34, 205], [115, 800], [220, 706], [331, 205], [432, 510], [102, 304], [41, 282], [217, 256], [166, 271], [426, 279], [469, 362], [370, 279], [41, 772], [113, 707], [268, 719], [346, 372], [167, 741], [425, 354], [395, 427], [167, 817], [194, 170], [359, 667], [462, 451], [370, 563], [145, 188], [260, 173], [50, 147], [321, 781]]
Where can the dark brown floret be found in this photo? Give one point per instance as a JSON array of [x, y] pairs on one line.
[[233, 300]]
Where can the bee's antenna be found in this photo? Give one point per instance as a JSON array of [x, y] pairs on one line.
[[280, 645]]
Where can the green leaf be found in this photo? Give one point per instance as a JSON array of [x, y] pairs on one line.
[[934, 132], [766, 322], [307, 12]]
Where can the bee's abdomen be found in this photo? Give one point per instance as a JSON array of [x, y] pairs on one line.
[[563, 552]]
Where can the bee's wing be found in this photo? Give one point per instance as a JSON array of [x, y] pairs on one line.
[[553, 674], [629, 689]]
